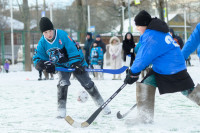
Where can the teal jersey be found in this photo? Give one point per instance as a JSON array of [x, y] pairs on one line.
[[45, 49]]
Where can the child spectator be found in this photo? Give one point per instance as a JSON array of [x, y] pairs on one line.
[[96, 58], [115, 55], [6, 65]]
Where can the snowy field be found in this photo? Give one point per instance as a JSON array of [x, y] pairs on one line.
[[29, 106]]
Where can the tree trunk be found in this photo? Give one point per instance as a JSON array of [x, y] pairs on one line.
[[81, 21], [160, 9], [26, 20]]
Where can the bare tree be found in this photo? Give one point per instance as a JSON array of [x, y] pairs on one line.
[[160, 5], [82, 20], [26, 20]]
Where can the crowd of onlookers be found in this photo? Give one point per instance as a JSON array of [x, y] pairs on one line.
[[95, 49]]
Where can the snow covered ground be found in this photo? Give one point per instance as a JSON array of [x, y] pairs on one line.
[[29, 106]]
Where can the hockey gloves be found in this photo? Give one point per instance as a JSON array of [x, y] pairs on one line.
[[79, 69], [46, 65], [49, 67], [131, 78]]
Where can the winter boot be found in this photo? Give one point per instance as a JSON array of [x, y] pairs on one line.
[[114, 77], [94, 93], [145, 104], [46, 75], [101, 76], [195, 95], [119, 77], [95, 75], [62, 98]]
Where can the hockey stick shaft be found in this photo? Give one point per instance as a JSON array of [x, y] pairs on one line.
[[95, 114], [111, 71]]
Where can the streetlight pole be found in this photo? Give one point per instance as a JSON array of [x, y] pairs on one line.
[[129, 16], [11, 23]]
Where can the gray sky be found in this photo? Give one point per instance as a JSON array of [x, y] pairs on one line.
[[48, 2]]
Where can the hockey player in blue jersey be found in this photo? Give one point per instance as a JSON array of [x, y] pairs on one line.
[[168, 73], [192, 43], [56, 48], [96, 58]]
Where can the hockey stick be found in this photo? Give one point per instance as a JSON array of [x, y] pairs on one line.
[[111, 71], [119, 116], [95, 114]]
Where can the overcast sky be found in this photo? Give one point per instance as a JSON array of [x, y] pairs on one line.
[[48, 2], [64, 2]]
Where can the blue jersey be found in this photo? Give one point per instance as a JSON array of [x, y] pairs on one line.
[[45, 49], [160, 50], [96, 54], [192, 43]]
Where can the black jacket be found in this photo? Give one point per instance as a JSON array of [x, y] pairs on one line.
[[128, 45]]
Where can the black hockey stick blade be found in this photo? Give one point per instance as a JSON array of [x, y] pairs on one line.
[[95, 114], [120, 116]]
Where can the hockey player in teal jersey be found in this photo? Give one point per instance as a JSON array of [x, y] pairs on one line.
[[56, 48]]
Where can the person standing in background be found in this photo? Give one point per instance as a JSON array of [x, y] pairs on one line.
[[101, 44], [87, 46], [6, 65], [128, 47], [115, 55], [96, 59]]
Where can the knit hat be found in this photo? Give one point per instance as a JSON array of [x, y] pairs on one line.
[[143, 18], [98, 36], [45, 24]]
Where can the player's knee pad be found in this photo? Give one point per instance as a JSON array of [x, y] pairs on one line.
[[89, 85], [63, 83]]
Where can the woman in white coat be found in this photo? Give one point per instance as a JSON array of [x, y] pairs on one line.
[[115, 55]]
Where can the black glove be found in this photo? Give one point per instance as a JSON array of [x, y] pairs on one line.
[[45, 65], [100, 62], [49, 67], [131, 78], [79, 69]]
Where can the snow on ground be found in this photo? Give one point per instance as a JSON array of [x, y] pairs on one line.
[[29, 106]]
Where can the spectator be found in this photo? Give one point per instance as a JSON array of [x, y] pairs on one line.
[[101, 44], [6, 65], [115, 55], [87, 46], [96, 59], [128, 47]]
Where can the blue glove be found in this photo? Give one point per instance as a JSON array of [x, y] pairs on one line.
[[131, 78]]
